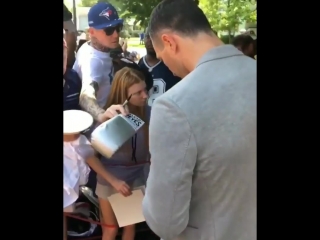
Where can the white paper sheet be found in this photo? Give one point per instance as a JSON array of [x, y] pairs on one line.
[[128, 210]]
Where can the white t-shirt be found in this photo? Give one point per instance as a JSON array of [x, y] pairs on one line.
[[93, 65], [75, 169]]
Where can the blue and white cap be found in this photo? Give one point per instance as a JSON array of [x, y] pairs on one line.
[[103, 15]]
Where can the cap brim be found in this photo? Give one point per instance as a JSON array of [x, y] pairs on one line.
[[76, 121], [109, 24]]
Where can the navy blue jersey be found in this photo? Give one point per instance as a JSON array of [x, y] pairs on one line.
[[163, 79], [71, 90]]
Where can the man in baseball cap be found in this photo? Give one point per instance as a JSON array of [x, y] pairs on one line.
[[93, 61], [105, 24]]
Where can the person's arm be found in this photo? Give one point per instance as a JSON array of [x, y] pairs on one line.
[[91, 71], [121, 186], [97, 166], [92, 75], [88, 100], [86, 151], [173, 158]]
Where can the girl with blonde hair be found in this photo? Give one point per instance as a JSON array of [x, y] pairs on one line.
[[129, 164]]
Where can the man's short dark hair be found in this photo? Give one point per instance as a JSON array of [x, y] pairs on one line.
[[181, 16], [243, 41]]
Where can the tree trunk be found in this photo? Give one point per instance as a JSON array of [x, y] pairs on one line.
[[229, 30], [74, 11], [229, 34], [134, 24]]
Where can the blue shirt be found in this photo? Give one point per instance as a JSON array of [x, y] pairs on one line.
[[71, 90], [163, 79]]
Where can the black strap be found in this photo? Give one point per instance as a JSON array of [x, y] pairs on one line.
[[134, 148]]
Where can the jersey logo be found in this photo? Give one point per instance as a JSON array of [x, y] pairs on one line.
[[159, 88]]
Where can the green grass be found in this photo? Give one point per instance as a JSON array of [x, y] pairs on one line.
[[135, 42]]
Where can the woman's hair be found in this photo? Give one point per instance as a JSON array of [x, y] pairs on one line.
[[122, 81]]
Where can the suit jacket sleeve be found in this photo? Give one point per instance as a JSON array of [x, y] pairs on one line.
[[173, 158]]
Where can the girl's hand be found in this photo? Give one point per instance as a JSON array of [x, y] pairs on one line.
[[111, 112], [121, 187]]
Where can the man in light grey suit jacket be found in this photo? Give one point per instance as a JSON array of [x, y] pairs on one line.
[[202, 181]]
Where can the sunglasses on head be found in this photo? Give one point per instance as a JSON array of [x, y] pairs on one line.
[[110, 30]]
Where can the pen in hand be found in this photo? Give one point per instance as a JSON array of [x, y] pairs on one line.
[[126, 102]]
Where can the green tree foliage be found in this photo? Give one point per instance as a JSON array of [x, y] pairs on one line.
[[227, 15], [87, 3], [127, 31], [140, 10], [90, 3], [223, 15]]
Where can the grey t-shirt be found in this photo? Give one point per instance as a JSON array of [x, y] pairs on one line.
[[131, 161]]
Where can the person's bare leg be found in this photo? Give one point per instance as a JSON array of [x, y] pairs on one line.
[[129, 232], [65, 235], [108, 218], [101, 220]]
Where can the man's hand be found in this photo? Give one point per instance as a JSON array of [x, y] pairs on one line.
[[111, 112], [121, 187]]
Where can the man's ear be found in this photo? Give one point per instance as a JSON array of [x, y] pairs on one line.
[[169, 42], [90, 30]]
